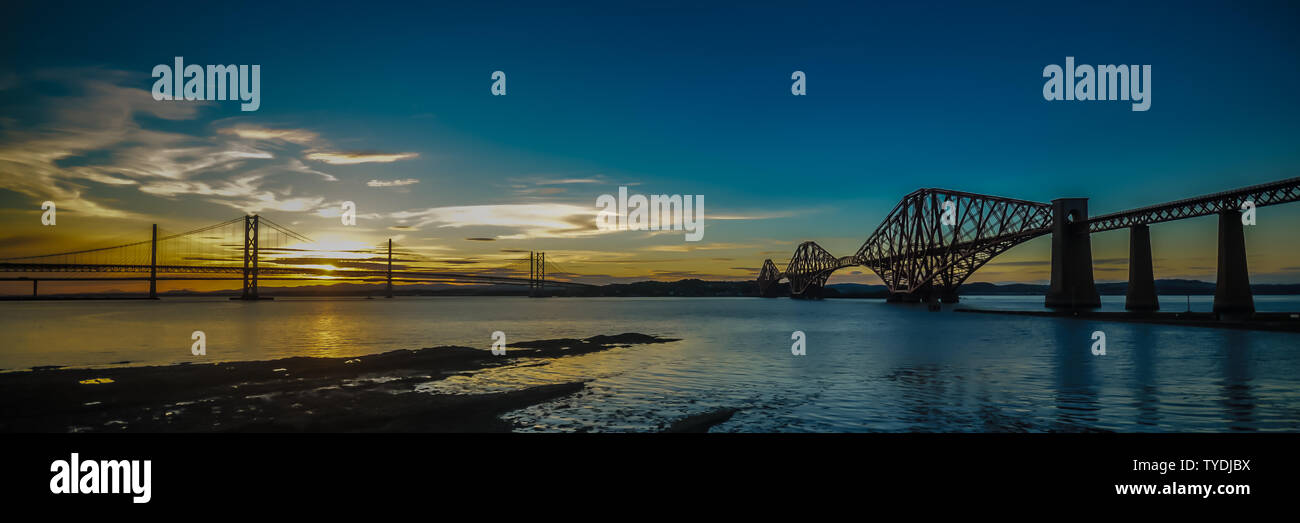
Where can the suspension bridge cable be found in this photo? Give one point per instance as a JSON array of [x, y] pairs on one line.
[[144, 242], [285, 230]]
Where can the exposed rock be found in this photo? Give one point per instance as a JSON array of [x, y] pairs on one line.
[[701, 422]]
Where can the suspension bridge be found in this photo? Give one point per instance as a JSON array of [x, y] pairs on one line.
[[926, 248], [254, 248]]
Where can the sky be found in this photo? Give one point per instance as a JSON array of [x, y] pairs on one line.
[[390, 106]]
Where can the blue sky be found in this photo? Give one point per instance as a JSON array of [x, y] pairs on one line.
[[677, 100]]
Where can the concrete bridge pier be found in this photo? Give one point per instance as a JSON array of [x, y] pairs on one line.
[[1232, 294], [932, 300], [1141, 279], [925, 294], [948, 295], [1072, 283], [815, 290], [903, 297]]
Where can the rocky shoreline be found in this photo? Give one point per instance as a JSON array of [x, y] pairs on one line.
[[374, 393]]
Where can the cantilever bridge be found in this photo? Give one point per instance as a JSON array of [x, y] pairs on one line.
[[253, 248], [919, 257]]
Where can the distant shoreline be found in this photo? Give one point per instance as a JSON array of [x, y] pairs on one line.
[[690, 288]]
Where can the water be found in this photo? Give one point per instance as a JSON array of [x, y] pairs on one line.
[[870, 366]]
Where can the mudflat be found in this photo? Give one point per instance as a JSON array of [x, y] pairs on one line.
[[374, 393]]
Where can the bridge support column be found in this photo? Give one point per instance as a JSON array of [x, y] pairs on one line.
[[932, 300], [1072, 283], [947, 291], [1141, 278], [904, 297], [153, 264], [34, 282], [812, 292], [1232, 294]]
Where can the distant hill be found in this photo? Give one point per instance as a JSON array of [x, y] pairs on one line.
[[691, 287], [858, 290], [1170, 287]]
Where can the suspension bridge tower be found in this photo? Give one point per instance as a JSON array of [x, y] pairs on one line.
[[250, 260], [536, 274], [153, 264], [390, 269]]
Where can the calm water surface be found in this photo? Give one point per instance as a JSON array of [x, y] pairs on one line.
[[870, 366]]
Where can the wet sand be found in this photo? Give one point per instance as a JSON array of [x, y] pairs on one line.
[[374, 393]]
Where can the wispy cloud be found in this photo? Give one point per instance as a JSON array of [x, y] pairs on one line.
[[549, 186], [350, 158], [754, 216], [544, 180], [298, 136], [97, 137], [568, 181], [49, 161], [392, 183], [689, 247], [519, 221]]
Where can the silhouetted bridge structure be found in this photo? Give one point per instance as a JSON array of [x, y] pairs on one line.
[[919, 257], [267, 251]]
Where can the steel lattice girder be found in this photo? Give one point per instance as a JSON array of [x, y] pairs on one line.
[[1283, 191], [768, 276], [811, 265], [912, 249]]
